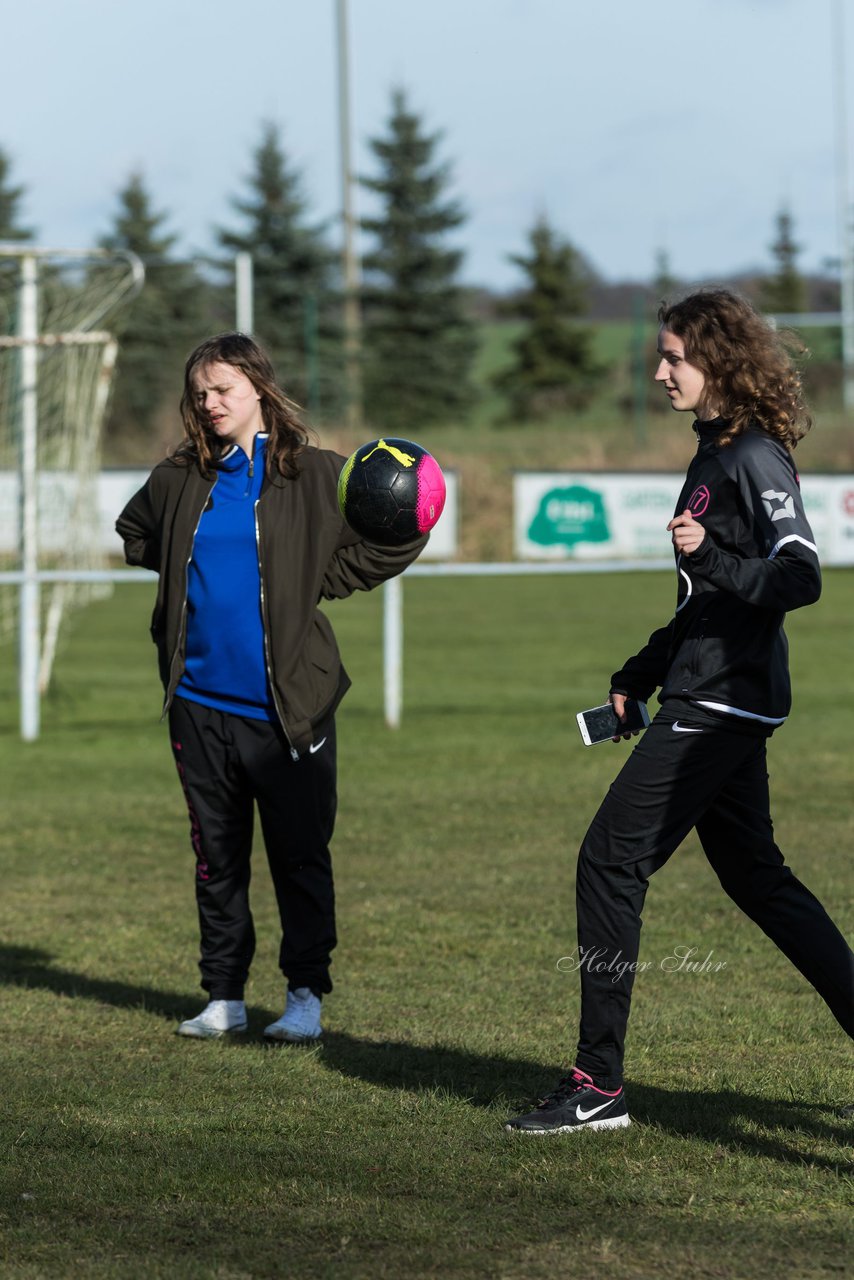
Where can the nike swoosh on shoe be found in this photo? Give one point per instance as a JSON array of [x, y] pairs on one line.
[[580, 1114]]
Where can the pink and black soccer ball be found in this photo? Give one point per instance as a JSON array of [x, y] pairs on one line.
[[391, 491]]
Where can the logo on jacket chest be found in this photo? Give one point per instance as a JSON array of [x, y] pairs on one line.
[[698, 503]]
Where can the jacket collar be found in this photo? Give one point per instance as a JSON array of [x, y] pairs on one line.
[[707, 431], [234, 459]]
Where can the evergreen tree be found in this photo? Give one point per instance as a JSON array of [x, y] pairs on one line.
[[10, 230], [418, 342], [784, 292], [554, 367], [294, 276], [161, 325], [10, 199], [664, 283]]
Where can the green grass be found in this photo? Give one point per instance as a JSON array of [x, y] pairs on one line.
[[380, 1153]]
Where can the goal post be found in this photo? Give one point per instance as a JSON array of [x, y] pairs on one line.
[[56, 367]]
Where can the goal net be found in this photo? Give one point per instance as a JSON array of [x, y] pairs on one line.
[[56, 364]]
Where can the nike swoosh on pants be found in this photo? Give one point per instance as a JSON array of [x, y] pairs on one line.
[[681, 728]]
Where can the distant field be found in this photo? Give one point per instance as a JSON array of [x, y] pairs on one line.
[[132, 1153], [627, 426], [615, 344], [627, 423]]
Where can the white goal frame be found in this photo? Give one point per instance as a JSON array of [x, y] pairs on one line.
[[33, 659], [392, 641]]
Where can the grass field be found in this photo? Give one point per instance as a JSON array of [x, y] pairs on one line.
[[129, 1152]]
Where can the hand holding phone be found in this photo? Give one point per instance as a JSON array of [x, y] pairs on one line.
[[601, 724]]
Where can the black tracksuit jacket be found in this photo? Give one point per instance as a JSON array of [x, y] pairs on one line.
[[725, 649]]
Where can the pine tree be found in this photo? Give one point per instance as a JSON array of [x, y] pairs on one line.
[[161, 325], [554, 368], [664, 283], [418, 342], [784, 292], [12, 231], [10, 199], [294, 276]]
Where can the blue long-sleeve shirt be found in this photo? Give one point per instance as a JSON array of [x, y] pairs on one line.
[[225, 663]]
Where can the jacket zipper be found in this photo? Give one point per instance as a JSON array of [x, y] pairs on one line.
[[267, 662], [167, 701]]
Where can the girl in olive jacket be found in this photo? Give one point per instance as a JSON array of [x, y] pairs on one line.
[[243, 527]]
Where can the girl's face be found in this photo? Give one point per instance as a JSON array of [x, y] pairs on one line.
[[229, 404], [684, 383]]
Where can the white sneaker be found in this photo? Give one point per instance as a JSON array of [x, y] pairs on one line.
[[219, 1018], [301, 1019]]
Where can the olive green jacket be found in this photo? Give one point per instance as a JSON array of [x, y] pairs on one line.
[[306, 553]]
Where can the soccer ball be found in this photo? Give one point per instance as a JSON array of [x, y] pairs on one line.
[[391, 491]]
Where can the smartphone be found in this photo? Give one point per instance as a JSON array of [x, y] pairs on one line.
[[600, 724]]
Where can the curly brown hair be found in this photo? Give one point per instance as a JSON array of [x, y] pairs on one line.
[[749, 366], [287, 434]]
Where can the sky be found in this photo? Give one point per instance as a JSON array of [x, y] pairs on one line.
[[633, 126]]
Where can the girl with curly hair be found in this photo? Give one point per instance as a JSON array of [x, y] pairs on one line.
[[745, 555]]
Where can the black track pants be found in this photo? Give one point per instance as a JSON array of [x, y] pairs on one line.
[[227, 764], [715, 780]]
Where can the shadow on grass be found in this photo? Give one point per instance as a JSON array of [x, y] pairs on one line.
[[720, 1116], [31, 967]]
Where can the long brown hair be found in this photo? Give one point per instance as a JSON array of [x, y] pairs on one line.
[[287, 434], [749, 367]]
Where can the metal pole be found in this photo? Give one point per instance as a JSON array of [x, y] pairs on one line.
[[846, 231], [393, 650], [28, 622], [244, 293], [640, 376], [311, 342], [349, 260]]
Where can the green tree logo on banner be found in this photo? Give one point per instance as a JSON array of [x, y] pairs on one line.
[[569, 516]]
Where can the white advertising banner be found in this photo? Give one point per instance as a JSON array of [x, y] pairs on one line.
[[445, 536], [623, 515], [56, 493]]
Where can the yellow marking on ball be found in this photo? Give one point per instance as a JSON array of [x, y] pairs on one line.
[[342, 481], [405, 459]]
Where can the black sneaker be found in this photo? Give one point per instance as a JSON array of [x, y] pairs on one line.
[[575, 1104]]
